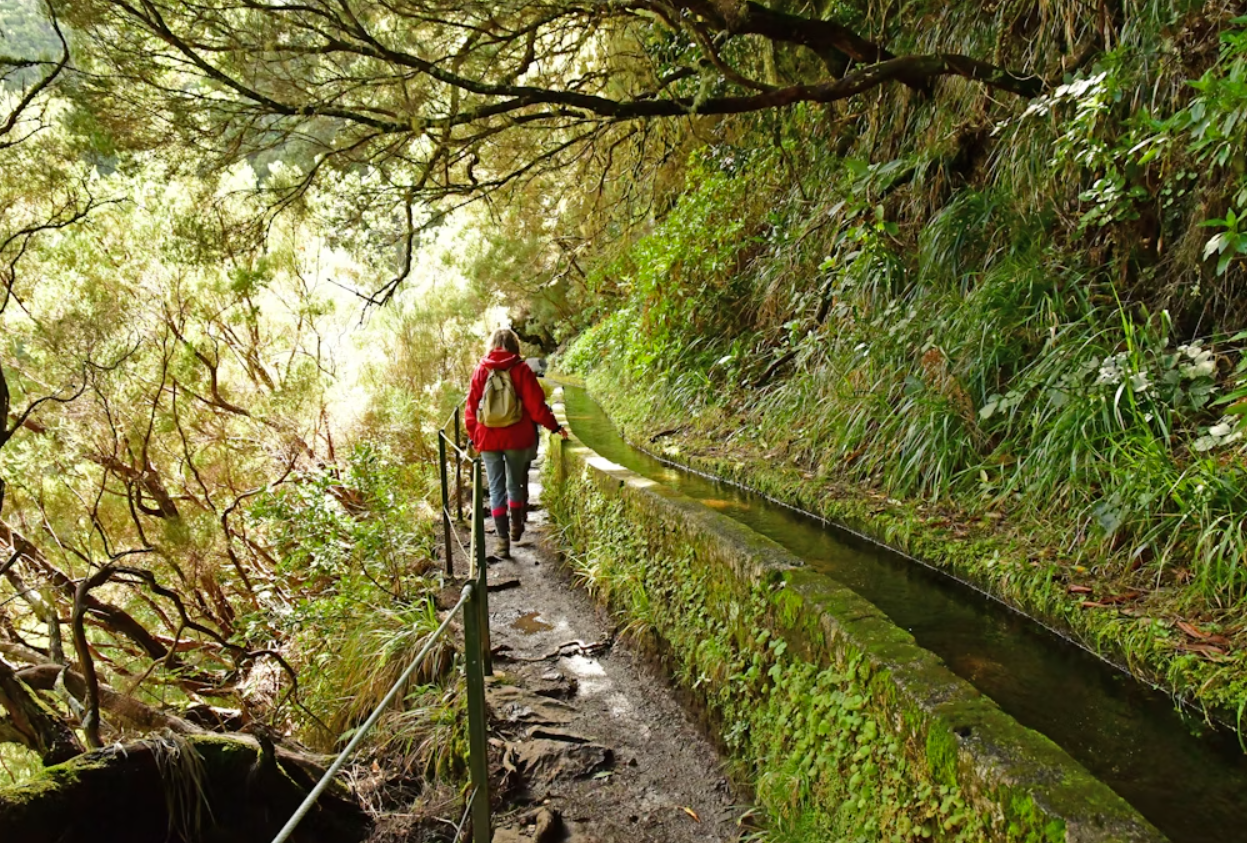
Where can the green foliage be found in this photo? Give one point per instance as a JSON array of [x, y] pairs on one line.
[[1039, 344], [18, 764], [424, 350], [356, 542], [1023, 322], [24, 34], [684, 282], [348, 537]]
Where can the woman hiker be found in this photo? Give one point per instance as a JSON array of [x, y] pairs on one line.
[[504, 401]]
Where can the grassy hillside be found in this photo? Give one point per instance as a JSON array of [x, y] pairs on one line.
[[1006, 333]]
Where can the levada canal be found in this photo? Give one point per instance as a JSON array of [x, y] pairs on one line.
[[1188, 780]]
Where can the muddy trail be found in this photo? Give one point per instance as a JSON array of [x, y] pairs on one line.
[[589, 742]]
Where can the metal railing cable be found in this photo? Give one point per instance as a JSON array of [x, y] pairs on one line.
[[363, 730], [446, 446], [476, 559], [467, 554], [463, 821], [474, 603]]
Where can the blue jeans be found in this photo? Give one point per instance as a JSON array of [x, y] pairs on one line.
[[506, 471]]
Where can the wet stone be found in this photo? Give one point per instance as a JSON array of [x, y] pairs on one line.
[[542, 761], [512, 704]]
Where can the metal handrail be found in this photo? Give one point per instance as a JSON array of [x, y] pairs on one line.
[[477, 560], [363, 730], [474, 602]]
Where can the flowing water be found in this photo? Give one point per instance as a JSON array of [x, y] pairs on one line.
[[1188, 780]]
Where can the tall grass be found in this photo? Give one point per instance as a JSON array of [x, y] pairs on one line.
[[1009, 300]]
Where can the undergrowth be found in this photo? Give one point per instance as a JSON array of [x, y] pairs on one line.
[[17, 764], [360, 538]]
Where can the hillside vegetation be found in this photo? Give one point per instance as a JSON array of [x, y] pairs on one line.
[[1003, 333]]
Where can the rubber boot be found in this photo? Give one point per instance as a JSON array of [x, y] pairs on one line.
[[503, 544], [517, 522]]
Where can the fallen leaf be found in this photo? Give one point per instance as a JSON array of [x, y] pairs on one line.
[[1093, 604], [1208, 651], [1126, 597], [691, 813], [1192, 630], [1199, 635], [1079, 589]]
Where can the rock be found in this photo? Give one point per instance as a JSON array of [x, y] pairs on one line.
[[512, 704], [544, 761], [548, 733], [550, 828], [554, 685], [510, 835]]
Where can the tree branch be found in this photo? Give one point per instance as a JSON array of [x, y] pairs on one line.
[[39, 87], [39, 727]]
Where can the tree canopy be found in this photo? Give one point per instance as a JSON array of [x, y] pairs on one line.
[[445, 103]]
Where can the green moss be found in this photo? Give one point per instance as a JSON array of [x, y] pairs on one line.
[[942, 754], [1025, 819]]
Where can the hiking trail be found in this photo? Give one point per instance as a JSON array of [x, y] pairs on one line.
[[588, 741]]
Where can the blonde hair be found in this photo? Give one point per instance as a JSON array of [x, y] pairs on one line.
[[504, 338]]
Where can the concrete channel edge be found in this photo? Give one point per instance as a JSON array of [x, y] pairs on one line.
[[1002, 766]]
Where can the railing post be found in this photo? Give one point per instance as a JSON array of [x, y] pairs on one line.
[[482, 567], [478, 738], [458, 470], [441, 463]]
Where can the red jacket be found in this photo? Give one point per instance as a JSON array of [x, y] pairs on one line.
[[522, 434]]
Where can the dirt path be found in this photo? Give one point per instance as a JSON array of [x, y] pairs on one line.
[[594, 744]]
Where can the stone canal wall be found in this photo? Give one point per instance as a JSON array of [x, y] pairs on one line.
[[844, 728]]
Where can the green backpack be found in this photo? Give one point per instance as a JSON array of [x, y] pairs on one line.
[[500, 406]]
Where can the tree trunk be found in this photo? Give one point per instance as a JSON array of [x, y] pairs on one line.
[[829, 40], [134, 713]]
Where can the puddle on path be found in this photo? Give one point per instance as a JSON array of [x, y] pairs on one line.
[[531, 623]]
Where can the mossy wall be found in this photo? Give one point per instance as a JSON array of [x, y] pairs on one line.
[[844, 727]]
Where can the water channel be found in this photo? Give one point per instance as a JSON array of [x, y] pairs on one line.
[[1188, 780]]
